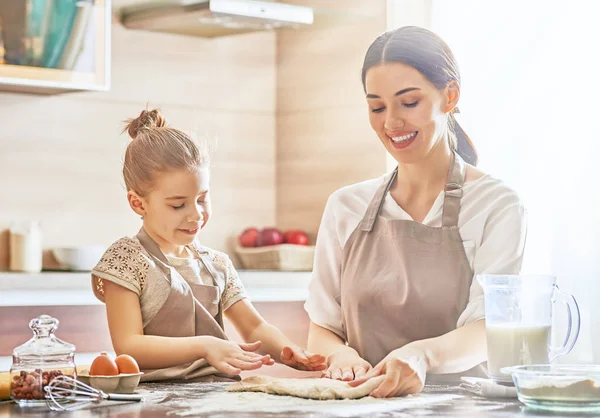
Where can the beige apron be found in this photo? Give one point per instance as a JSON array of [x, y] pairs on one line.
[[190, 310], [402, 281]]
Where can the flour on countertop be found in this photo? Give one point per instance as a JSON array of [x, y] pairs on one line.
[[220, 402]]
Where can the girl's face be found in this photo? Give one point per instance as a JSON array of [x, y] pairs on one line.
[[177, 208], [408, 113]]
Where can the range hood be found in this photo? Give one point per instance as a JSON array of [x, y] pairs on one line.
[[213, 18]]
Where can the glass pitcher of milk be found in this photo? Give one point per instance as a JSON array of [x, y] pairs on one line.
[[518, 314]]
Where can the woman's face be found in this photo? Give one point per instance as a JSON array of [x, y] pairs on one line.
[[408, 113]]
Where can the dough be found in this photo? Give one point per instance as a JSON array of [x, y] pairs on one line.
[[309, 388]]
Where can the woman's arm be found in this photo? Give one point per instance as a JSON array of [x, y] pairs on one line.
[[344, 362], [151, 352], [322, 340], [323, 304], [454, 352], [252, 327], [405, 368]]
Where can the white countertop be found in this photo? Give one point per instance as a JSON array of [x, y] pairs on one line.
[[66, 288]]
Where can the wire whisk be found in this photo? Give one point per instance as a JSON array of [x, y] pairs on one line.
[[65, 393]]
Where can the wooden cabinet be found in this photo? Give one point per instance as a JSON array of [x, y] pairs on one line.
[[52, 46]]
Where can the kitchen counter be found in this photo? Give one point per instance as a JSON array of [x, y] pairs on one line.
[[72, 289], [195, 399]]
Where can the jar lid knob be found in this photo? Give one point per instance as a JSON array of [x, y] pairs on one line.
[[43, 325]]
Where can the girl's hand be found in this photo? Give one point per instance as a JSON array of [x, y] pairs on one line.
[[404, 370], [231, 358], [300, 359], [345, 364]]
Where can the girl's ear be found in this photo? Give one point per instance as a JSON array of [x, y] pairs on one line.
[[137, 203]]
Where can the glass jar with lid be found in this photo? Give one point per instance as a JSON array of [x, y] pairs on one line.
[[37, 362]]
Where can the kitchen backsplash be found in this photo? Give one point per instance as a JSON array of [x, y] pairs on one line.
[[324, 140], [60, 156], [286, 109]]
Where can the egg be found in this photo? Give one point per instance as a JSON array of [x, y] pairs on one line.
[[127, 364], [103, 365]]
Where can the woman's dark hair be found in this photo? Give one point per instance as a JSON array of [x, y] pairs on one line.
[[431, 56]]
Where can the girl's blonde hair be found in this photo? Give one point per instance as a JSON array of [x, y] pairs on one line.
[[156, 148]]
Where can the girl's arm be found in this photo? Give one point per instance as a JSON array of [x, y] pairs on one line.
[[152, 352], [252, 327]]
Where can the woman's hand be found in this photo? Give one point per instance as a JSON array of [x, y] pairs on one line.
[[404, 370], [231, 358], [300, 359], [345, 364]]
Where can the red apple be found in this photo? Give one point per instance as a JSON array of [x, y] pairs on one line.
[[269, 236], [248, 238], [296, 237]]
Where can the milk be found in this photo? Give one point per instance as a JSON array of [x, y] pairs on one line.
[[513, 344], [26, 248]]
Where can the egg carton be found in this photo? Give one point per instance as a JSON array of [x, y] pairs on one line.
[[121, 383]]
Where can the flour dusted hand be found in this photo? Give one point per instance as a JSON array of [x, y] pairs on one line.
[[231, 358], [403, 370], [300, 359], [345, 364]]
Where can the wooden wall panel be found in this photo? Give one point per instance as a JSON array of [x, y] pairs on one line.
[[324, 140], [60, 156]]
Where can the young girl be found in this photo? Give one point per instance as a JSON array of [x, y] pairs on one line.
[[165, 294]]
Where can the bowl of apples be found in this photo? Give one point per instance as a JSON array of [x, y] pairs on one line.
[[272, 249]]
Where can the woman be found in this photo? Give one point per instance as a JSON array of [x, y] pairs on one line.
[[396, 256]]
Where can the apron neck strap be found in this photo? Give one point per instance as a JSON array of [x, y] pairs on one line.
[[206, 261], [452, 194], [368, 221], [154, 250], [152, 247], [453, 191], [209, 266]]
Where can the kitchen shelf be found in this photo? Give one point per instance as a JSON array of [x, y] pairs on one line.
[[66, 49], [16, 78]]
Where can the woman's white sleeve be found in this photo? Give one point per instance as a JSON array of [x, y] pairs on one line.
[[323, 304], [501, 252]]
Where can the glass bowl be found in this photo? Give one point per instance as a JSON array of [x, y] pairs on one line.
[[560, 387]]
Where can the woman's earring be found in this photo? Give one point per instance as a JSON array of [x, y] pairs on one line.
[[142, 218]]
